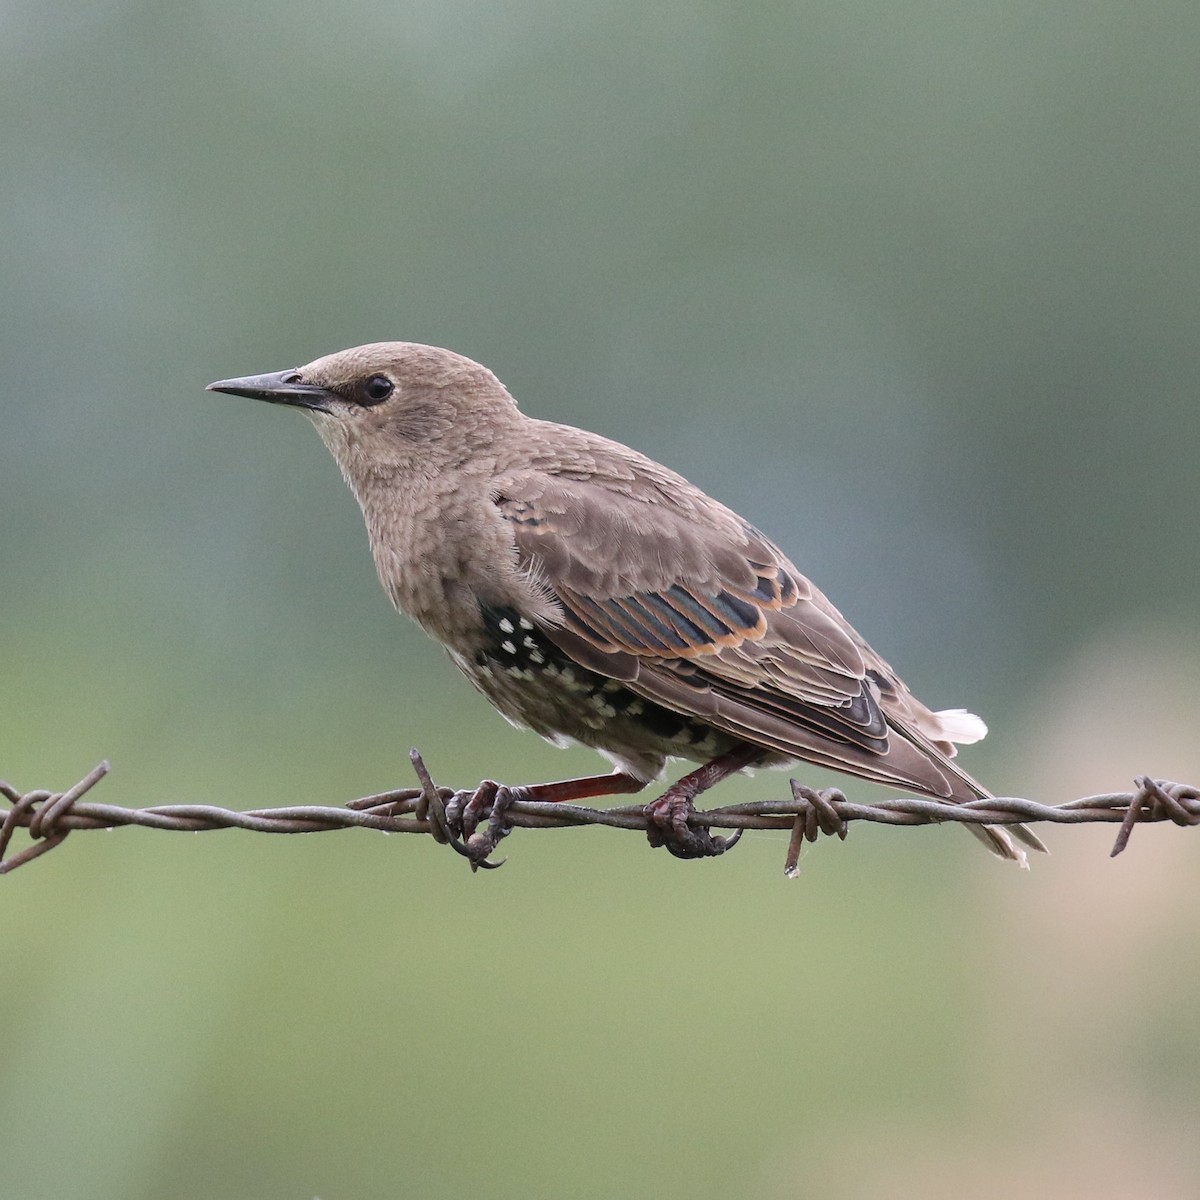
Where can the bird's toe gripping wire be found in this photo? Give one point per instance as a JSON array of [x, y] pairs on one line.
[[668, 819], [455, 821], [468, 808], [668, 825]]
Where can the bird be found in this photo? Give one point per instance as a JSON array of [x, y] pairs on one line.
[[599, 598]]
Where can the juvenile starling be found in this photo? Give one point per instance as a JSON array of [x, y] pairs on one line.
[[597, 597]]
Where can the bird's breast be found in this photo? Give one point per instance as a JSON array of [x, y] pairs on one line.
[[436, 549]]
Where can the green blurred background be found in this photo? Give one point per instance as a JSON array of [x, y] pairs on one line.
[[912, 285]]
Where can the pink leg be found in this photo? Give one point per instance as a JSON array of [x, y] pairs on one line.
[[467, 808], [615, 784]]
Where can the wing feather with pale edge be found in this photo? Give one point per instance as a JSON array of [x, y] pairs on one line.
[[693, 608]]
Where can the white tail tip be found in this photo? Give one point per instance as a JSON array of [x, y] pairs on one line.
[[961, 726]]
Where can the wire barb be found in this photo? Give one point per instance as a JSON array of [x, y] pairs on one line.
[[441, 812]]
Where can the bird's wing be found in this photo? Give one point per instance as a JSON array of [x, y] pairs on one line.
[[692, 607]]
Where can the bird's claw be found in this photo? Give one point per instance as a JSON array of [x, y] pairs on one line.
[[465, 808], [465, 811], [667, 825], [455, 821]]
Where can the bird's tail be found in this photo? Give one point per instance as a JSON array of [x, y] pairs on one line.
[[999, 839], [956, 725]]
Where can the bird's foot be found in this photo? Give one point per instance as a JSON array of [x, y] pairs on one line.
[[467, 809], [455, 821], [667, 818], [667, 825]]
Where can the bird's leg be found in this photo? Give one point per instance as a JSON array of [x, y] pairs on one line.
[[616, 783], [466, 809], [667, 817]]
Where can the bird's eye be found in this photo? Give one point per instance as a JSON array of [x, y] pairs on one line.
[[377, 389]]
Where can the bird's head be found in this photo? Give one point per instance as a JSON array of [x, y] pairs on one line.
[[391, 405]]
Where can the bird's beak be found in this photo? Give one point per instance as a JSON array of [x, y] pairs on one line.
[[280, 387]]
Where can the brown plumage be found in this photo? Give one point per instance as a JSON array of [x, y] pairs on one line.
[[594, 595]]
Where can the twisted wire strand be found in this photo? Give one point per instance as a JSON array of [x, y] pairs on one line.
[[49, 816]]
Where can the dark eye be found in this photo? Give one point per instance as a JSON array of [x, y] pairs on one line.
[[377, 389]]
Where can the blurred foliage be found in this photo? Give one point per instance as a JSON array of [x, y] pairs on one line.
[[912, 286]]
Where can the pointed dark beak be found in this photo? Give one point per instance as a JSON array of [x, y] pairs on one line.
[[281, 387]]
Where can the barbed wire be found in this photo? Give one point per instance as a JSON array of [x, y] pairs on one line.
[[447, 815]]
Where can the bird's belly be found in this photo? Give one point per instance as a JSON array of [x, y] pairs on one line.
[[535, 685]]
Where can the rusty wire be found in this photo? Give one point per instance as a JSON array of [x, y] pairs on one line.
[[50, 816]]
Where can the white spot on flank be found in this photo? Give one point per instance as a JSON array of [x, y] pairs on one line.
[[524, 624], [506, 625], [508, 647], [529, 644]]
